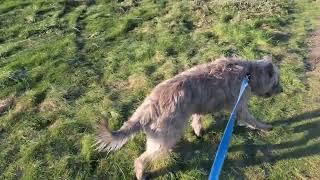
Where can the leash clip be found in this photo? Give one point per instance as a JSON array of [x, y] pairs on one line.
[[248, 77]]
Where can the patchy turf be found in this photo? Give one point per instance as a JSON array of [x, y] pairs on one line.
[[64, 64]]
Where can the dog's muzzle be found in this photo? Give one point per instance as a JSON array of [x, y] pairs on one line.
[[276, 89]]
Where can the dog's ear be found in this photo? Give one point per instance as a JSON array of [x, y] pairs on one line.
[[265, 67], [269, 69]]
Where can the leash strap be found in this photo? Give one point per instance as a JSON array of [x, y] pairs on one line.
[[223, 146]]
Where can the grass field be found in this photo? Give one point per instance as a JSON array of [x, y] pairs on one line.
[[65, 64]]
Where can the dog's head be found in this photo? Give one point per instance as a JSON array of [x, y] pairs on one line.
[[265, 78]]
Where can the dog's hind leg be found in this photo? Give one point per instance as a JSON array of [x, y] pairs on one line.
[[196, 124], [156, 147], [162, 135]]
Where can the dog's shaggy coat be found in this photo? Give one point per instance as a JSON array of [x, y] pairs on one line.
[[200, 90]]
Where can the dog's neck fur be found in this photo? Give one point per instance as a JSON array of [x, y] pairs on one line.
[[249, 68]]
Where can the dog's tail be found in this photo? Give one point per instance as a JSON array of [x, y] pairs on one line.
[[111, 141]]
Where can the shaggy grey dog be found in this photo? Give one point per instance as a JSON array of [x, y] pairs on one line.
[[202, 89]]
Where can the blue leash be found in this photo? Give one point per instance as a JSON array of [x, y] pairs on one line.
[[223, 146]]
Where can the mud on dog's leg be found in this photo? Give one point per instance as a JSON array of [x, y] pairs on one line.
[[196, 124]]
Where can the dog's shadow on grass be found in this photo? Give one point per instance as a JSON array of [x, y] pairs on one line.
[[307, 123], [256, 154]]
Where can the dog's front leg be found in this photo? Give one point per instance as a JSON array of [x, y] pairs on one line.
[[197, 124], [246, 119]]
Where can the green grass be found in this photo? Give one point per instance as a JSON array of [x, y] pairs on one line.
[[68, 63]]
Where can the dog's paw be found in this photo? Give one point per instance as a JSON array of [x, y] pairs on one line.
[[266, 128], [199, 133], [242, 123], [259, 126], [145, 176]]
